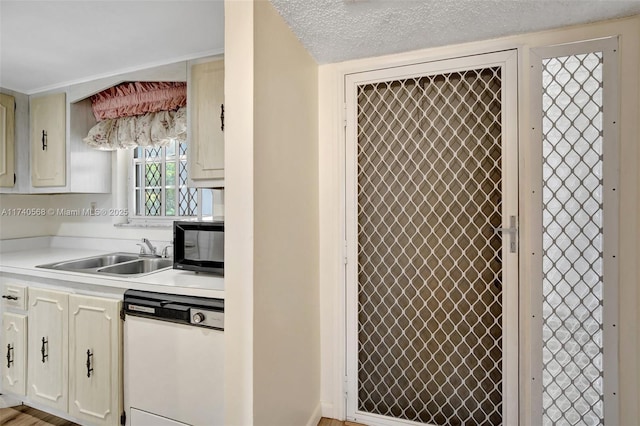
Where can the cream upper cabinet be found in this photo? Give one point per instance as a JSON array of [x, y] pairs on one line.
[[95, 369], [206, 124], [47, 370], [7, 140], [48, 140], [14, 371]]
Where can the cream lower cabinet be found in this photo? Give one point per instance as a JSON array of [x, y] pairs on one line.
[[94, 360], [74, 355], [14, 329], [48, 348]]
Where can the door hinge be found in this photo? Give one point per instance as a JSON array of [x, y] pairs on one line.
[[345, 387], [123, 418], [122, 315], [344, 115], [345, 257]]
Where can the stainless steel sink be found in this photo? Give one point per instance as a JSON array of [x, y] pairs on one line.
[[92, 262], [114, 264], [140, 266]]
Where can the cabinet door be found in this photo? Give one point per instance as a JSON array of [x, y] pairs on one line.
[[7, 132], [94, 360], [206, 137], [47, 372], [48, 140], [14, 329]]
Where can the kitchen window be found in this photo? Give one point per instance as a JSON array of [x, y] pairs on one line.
[[159, 191]]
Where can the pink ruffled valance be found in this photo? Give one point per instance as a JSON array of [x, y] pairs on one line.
[[137, 98]]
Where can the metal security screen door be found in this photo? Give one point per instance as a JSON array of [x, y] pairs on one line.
[[431, 202]]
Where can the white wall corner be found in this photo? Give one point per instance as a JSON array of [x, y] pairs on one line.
[[328, 410], [315, 416]]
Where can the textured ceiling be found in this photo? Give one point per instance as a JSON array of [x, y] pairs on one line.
[[339, 30], [52, 43]]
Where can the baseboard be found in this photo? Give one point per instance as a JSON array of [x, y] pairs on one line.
[[315, 417], [327, 410]]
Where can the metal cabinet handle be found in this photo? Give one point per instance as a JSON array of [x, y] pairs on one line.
[[222, 117], [89, 367], [43, 351], [9, 355], [44, 140], [9, 297]]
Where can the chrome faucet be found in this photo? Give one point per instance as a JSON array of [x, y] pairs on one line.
[[165, 251], [146, 244]]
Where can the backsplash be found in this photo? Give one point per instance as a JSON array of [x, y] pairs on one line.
[[14, 219], [34, 215]]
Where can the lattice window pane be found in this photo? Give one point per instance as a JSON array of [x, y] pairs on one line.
[[161, 182], [153, 153], [170, 201], [170, 151], [572, 240], [188, 203], [153, 174], [170, 179], [429, 267], [153, 189], [153, 202]]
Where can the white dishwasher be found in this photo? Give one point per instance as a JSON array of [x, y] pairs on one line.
[[173, 359]]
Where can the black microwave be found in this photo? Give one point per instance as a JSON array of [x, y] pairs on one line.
[[198, 246]]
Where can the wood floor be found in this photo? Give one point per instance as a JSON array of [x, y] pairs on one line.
[[27, 416]]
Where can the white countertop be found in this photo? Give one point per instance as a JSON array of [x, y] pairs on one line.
[[22, 264]]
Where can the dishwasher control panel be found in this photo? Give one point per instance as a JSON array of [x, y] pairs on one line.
[[207, 318], [188, 310]]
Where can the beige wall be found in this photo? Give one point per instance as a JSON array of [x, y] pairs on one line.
[[69, 226], [239, 211], [271, 209], [98, 226], [332, 205], [21, 225], [286, 294]]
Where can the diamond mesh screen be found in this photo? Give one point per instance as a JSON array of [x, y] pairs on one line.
[[429, 267], [572, 240]]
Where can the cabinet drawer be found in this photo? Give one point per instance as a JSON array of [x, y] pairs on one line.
[[14, 296]]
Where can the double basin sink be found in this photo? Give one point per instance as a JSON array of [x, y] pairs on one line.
[[113, 264]]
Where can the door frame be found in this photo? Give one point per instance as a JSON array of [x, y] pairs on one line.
[[508, 60]]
